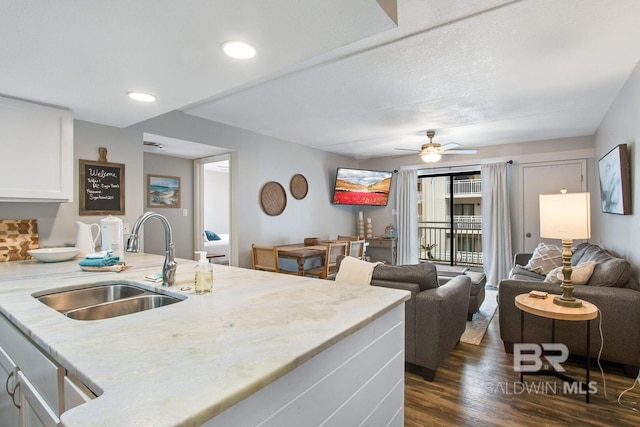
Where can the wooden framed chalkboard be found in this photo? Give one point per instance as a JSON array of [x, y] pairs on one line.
[[101, 188]]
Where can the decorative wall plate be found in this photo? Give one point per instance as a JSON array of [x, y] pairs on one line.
[[298, 186], [273, 198]]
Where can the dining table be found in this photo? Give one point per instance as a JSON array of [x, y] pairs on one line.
[[301, 253]]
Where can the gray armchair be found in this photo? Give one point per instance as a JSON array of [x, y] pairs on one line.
[[435, 316]]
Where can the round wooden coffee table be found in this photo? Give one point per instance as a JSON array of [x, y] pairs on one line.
[[545, 307]]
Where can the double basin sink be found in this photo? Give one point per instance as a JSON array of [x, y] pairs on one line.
[[104, 300]]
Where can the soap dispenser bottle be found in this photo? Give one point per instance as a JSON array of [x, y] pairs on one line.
[[204, 274]]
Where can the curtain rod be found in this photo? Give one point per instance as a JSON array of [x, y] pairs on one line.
[[425, 167]]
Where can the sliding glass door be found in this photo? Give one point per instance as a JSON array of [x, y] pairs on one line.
[[450, 218]]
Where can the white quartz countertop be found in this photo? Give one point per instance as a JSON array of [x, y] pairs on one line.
[[185, 363]]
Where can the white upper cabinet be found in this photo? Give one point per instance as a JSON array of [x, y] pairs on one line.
[[36, 152]]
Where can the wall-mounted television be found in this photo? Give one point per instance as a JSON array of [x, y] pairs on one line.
[[361, 187]]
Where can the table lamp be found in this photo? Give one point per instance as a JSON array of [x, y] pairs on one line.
[[565, 216]]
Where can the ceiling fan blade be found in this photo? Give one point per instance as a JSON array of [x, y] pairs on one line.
[[407, 149], [449, 146], [461, 152]]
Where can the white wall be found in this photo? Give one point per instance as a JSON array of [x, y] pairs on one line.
[[181, 226], [258, 160], [621, 125], [216, 201], [56, 221]]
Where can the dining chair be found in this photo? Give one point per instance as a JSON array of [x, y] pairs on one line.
[[266, 258], [333, 250], [347, 238], [356, 248]]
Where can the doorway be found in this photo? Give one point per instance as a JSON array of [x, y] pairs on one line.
[[450, 219], [213, 222]]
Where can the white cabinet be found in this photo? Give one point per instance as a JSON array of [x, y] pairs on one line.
[[36, 389], [34, 410], [36, 148], [9, 409]]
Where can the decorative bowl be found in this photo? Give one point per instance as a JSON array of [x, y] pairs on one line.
[[53, 254]]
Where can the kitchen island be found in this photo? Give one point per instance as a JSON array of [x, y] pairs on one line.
[[262, 348]]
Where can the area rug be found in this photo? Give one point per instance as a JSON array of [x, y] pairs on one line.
[[477, 327]]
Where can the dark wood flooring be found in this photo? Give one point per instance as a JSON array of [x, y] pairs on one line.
[[476, 386]]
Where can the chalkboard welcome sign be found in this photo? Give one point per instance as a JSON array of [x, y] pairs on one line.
[[101, 188]]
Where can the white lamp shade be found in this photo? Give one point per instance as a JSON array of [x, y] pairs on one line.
[[565, 216]]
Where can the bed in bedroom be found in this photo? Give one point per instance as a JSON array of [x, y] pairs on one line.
[[217, 246]]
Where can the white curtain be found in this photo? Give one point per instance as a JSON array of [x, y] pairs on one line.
[[407, 209], [496, 223]]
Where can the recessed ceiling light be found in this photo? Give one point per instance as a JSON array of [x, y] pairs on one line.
[[239, 50], [140, 96]]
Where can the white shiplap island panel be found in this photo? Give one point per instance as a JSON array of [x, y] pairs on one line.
[[263, 349], [352, 382]]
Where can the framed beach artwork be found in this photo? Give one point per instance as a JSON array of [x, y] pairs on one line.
[[163, 191], [615, 186]]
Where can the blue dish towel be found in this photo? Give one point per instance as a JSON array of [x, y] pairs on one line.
[[100, 262]]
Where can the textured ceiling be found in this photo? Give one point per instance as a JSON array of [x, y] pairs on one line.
[[332, 74], [478, 72]]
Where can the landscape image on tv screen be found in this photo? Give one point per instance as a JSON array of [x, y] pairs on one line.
[[362, 187]]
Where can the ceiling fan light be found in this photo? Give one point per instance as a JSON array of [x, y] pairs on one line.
[[430, 157]]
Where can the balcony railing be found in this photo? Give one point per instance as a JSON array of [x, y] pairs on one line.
[[467, 241], [465, 221], [465, 186]]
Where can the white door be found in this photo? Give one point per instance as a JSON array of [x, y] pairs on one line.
[[546, 178]]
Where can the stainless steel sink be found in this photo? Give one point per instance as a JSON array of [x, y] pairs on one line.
[[106, 299], [122, 307], [70, 300]]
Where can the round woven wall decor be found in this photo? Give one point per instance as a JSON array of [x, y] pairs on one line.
[[273, 198], [298, 186]]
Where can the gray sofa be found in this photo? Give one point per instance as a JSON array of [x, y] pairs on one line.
[[435, 316], [611, 288]]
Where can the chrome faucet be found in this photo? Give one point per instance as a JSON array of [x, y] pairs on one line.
[[169, 267]]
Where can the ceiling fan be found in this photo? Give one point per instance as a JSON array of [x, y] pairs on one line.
[[432, 152]]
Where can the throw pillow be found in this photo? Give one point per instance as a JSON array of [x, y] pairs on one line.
[[609, 271], [545, 258], [211, 235], [580, 274], [355, 271]]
